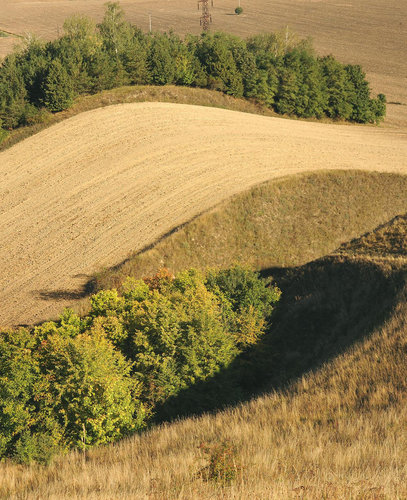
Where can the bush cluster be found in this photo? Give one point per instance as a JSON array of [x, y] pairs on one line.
[[276, 70], [84, 381]]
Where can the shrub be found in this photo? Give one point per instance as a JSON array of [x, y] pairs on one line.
[[86, 384], [238, 10], [53, 386], [36, 448], [223, 465], [246, 301], [19, 374], [80, 382], [176, 336]]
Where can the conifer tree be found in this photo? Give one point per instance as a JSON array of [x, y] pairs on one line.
[[58, 92], [13, 94]]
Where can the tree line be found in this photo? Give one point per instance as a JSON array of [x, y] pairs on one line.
[[276, 69], [90, 380]]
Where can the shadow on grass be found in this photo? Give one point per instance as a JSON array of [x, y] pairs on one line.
[[326, 306]]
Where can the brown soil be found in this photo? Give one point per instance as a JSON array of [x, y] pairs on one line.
[[372, 33], [86, 192]]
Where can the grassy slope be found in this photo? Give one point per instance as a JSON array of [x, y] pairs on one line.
[[139, 93], [150, 93], [390, 239], [332, 425], [286, 222]]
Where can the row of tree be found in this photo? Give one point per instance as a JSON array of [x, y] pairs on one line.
[[90, 380], [277, 70]]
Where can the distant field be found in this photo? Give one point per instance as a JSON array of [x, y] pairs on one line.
[[372, 33], [86, 192]]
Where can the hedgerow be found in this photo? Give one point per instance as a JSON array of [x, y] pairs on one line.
[[84, 381], [277, 70]]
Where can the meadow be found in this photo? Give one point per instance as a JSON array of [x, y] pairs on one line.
[[330, 418]]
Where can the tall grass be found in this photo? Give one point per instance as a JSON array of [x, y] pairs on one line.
[[285, 222], [337, 431]]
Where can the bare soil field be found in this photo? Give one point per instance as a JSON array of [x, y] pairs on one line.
[[86, 192], [372, 33]]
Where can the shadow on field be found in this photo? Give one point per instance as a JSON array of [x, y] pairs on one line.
[[61, 294], [326, 306]]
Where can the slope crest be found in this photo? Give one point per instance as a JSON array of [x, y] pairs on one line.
[[87, 191]]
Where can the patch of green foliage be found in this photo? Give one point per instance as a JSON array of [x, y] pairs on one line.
[[275, 69], [238, 10], [3, 133], [222, 462], [84, 381]]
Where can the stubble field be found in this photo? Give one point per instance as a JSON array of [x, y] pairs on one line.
[[372, 33], [88, 191]]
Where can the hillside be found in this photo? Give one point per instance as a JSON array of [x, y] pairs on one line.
[[88, 191], [367, 32], [284, 222], [331, 422]]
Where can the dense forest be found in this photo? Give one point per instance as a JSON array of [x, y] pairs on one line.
[[85, 381], [277, 70]]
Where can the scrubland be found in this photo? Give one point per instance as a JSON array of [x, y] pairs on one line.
[[330, 422]]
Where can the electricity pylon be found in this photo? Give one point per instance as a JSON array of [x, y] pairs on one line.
[[206, 17]]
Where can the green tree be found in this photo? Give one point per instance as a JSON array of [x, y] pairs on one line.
[[13, 93], [33, 62], [87, 385], [379, 107], [160, 61], [337, 88], [301, 85], [77, 51], [217, 60], [365, 109], [124, 46], [19, 373], [115, 30], [58, 88]]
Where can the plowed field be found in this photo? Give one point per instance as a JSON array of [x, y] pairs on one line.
[[372, 33], [87, 191]]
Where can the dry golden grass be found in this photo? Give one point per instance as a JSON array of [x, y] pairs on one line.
[[332, 425], [285, 222], [389, 239]]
